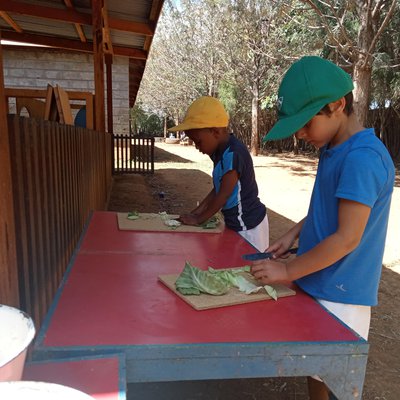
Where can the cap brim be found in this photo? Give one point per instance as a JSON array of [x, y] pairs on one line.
[[287, 126], [180, 127], [189, 125]]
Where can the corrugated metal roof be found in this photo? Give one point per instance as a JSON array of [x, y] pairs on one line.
[[67, 24]]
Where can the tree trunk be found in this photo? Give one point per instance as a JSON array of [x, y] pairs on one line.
[[295, 145], [362, 82], [254, 146], [362, 67]]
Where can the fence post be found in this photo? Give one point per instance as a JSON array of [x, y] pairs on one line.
[[9, 293]]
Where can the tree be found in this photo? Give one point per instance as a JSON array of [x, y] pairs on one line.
[[147, 123], [369, 18]]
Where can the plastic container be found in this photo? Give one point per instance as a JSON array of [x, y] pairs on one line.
[[16, 333], [29, 390]]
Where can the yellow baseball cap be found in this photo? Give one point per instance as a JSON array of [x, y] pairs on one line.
[[205, 112]]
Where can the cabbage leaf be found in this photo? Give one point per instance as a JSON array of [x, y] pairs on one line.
[[194, 281]]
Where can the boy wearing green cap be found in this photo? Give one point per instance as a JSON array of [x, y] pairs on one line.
[[342, 238], [235, 190]]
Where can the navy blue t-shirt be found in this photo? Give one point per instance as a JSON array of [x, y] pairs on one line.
[[243, 210]]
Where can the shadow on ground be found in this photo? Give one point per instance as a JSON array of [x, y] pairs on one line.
[[162, 156]]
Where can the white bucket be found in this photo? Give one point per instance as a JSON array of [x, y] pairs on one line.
[[27, 390], [16, 333]]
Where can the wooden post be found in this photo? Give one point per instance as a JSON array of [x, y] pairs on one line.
[[98, 63], [9, 293], [110, 116]]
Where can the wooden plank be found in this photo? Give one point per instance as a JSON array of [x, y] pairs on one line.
[[37, 216], [18, 176], [50, 111], [63, 106], [34, 274], [49, 152], [36, 108], [8, 255], [153, 222], [233, 297], [89, 111], [21, 92]]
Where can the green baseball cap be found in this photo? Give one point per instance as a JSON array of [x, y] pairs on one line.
[[309, 85]]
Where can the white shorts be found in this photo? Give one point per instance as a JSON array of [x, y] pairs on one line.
[[356, 317], [258, 237]]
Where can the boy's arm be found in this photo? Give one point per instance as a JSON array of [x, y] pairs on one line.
[[204, 203], [284, 243], [352, 219], [228, 182]]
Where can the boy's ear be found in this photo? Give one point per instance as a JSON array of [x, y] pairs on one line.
[[218, 131], [338, 105], [215, 132]]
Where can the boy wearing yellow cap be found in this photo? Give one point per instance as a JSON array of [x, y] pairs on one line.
[[342, 238], [235, 190]]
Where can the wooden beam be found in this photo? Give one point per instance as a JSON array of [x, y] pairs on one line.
[[78, 27], [136, 73], [108, 46], [155, 11], [35, 10], [10, 21], [9, 293], [69, 44], [98, 63], [130, 26], [72, 16], [51, 41]]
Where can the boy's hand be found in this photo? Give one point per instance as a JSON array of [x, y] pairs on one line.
[[188, 219], [268, 272]]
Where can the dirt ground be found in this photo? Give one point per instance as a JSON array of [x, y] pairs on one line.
[[181, 178]]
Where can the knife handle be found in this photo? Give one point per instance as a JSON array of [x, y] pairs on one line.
[[263, 256]]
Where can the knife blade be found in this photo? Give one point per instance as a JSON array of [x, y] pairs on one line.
[[263, 256]]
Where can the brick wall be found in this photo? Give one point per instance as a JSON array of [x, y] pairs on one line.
[[26, 68]]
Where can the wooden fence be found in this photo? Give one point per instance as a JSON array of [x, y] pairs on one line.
[[133, 154], [384, 121], [60, 173]]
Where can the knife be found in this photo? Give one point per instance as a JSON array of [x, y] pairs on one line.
[[262, 256]]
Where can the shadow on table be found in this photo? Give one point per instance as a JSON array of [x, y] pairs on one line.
[[227, 389]]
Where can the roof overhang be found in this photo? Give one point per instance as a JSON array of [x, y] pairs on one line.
[[128, 28]]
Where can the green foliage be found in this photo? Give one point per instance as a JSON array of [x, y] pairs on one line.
[[269, 102], [145, 123], [228, 94]]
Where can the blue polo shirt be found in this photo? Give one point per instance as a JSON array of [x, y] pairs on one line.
[[243, 209], [360, 170]]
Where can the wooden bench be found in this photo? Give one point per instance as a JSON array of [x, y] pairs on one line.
[[57, 103]]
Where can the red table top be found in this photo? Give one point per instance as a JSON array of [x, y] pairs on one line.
[[112, 295], [97, 377]]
